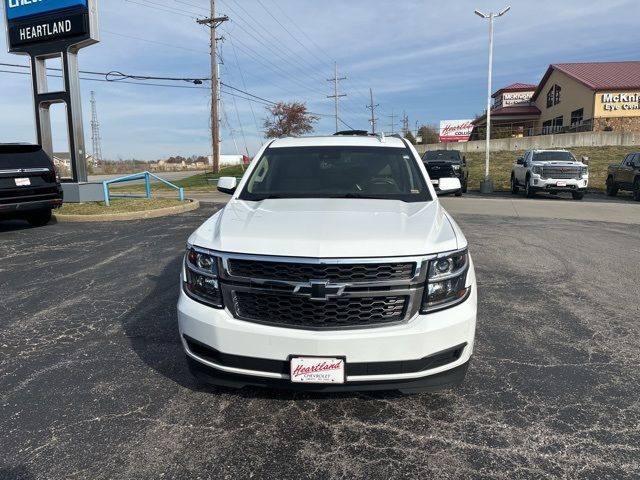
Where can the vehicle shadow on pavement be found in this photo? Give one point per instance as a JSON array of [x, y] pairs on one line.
[[15, 225], [152, 329], [19, 472]]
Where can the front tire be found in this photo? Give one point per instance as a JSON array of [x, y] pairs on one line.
[[612, 189], [39, 218], [528, 189], [577, 195], [514, 185]]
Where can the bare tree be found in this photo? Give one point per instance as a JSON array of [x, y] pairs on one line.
[[288, 119], [429, 134]]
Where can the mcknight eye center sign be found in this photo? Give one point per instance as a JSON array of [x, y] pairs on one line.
[[36, 22]]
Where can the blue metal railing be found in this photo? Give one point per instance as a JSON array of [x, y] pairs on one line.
[[146, 176]]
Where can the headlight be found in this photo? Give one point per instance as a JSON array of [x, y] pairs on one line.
[[446, 284], [201, 278], [584, 171], [537, 169], [456, 167]]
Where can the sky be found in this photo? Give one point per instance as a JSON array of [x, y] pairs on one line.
[[427, 58]]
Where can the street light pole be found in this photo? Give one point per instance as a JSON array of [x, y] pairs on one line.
[[486, 186]]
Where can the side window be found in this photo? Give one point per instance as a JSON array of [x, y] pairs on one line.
[[528, 158], [634, 160], [556, 96], [550, 98]]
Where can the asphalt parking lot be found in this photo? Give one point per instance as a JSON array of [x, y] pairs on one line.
[[93, 382]]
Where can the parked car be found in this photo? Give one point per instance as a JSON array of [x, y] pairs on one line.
[[551, 171], [332, 267], [447, 164], [29, 186], [625, 176]]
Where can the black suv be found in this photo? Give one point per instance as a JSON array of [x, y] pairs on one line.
[[29, 185], [446, 163]]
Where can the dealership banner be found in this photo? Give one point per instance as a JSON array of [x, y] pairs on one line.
[[455, 130]]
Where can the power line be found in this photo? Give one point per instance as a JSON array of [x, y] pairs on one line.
[[244, 84], [146, 84], [161, 7], [170, 45]]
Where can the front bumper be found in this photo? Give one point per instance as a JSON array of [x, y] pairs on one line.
[[559, 185], [238, 353]]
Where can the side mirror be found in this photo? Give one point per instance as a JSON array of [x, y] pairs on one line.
[[585, 160], [520, 161], [227, 185], [449, 184]]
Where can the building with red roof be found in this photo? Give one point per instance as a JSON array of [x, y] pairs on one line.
[[589, 96], [571, 97]]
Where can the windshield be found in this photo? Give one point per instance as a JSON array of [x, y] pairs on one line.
[[337, 172], [553, 157], [442, 156]]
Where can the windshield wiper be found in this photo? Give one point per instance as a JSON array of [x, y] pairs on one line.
[[358, 195], [266, 197]]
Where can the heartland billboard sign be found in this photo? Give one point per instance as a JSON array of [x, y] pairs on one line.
[[50, 25], [455, 130]]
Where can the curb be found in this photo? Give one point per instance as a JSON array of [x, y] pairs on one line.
[[189, 205]]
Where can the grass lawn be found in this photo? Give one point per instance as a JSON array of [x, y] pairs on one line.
[[118, 205], [194, 183], [500, 170], [500, 165]]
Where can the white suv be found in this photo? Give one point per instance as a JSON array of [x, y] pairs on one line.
[[552, 171], [333, 267]]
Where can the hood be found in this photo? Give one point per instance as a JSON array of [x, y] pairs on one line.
[[328, 228]]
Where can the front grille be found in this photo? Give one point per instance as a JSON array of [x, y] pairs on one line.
[[303, 272], [301, 312], [554, 171], [440, 171]]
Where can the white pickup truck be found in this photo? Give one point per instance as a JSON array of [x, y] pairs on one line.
[[332, 267], [552, 171]]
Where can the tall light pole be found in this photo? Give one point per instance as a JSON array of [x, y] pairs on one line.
[[486, 186]]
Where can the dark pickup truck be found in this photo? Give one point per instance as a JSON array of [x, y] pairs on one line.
[[446, 163], [625, 176], [29, 185]]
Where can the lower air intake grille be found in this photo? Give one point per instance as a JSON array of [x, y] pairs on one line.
[[301, 312]]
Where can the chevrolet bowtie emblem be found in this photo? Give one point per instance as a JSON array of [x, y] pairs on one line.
[[319, 290]]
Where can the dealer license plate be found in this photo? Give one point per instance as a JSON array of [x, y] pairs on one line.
[[22, 182], [317, 370], [561, 184], [435, 182]]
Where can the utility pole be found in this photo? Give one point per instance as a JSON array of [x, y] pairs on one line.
[[213, 23], [393, 122], [372, 107], [95, 131], [335, 95]]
